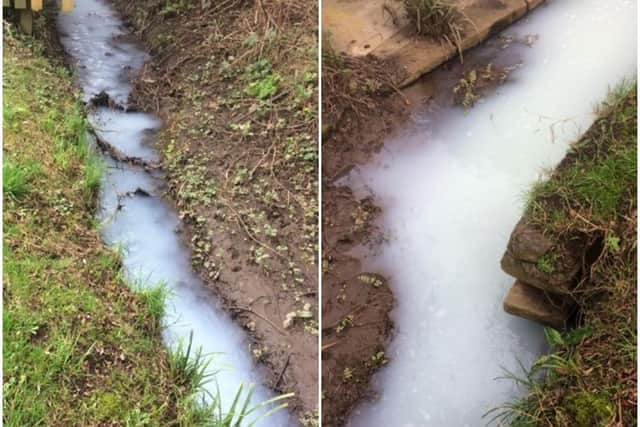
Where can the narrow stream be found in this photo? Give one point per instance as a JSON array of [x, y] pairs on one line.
[[452, 187], [147, 227]]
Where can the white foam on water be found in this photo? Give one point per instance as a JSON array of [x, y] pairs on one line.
[[452, 191], [147, 227]]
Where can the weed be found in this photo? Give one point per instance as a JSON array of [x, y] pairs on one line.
[[11, 115], [347, 374], [612, 243], [345, 323], [16, 177], [93, 171], [154, 298], [264, 88], [439, 20], [379, 359], [189, 367], [175, 7]]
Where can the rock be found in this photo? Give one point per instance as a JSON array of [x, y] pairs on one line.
[[560, 281], [527, 243], [531, 303]]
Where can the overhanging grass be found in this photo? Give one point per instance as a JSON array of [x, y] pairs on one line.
[[598, 176], [589, 378]]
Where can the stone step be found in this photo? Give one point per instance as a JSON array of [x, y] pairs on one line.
[[531, 303], [560, 281]]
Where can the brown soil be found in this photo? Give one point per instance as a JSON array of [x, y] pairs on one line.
[[241, 166], [355, 313]]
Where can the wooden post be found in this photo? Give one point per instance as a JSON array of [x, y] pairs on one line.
[[26, 21], [36, 4], [67, 5]]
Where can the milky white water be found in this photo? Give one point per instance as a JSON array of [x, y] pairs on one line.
[[452, 189], [147, 228]]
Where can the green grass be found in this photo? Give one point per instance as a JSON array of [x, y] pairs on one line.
[[80, 346], [16, 177], [599, 174], [588, 379]]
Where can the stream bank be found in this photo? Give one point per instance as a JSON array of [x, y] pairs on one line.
[[238, 98], [584, 212], [80, 348]]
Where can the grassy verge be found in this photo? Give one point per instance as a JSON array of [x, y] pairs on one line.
[[80, 348], [589, 379]]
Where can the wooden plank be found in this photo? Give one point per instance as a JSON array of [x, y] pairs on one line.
[[20, 4], [67, 5], [36, 4], [26, 21]]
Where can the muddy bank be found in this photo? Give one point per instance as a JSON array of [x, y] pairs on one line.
[[356, 312], [239, 147]]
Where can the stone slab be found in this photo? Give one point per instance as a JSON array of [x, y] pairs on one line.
[[531, 303]]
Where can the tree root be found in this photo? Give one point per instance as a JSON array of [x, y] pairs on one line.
[[123, 158]]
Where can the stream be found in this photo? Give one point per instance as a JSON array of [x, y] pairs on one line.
[[452, 186], [145, 226]]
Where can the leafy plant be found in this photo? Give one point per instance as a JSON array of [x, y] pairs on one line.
[[264, 88]]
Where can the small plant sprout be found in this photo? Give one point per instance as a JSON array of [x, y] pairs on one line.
[[371, 279], [345, 323], [347, 374], [546, 263]]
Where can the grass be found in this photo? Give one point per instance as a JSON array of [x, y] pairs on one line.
[[439, 20], [588, 379], [599, 174], [80, 346], [16, 178]]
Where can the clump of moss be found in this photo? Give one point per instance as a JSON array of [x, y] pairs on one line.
[[589, 409]]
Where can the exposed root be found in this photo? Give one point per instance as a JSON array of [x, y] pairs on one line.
[[123, 158]]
